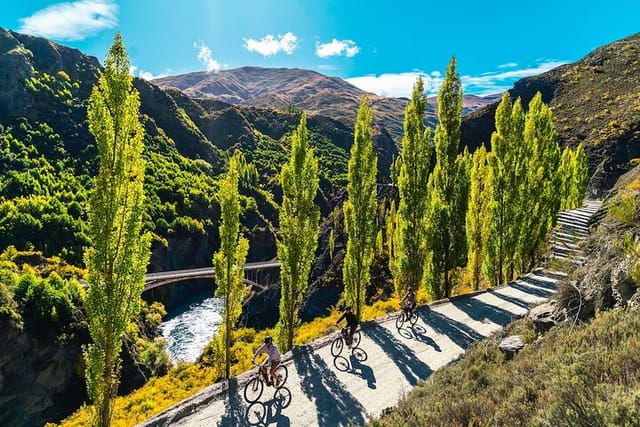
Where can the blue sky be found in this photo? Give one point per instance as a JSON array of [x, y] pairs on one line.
[[380, 46]]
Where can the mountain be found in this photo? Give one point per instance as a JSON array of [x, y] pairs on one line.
[[315, 93], [594, 101]]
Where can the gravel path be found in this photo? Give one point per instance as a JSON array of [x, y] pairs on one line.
[[323, 390]]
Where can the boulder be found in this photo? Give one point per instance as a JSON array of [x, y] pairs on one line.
[[511, 345], [543, 316]]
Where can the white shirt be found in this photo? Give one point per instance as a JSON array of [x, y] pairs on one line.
[[272, 351]]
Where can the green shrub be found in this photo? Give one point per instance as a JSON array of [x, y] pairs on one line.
[[47, 304]]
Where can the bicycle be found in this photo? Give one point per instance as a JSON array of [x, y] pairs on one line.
[[403, 316], [253, 389], [341, 340]]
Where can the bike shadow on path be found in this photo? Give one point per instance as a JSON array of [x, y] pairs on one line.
[[420, 335], [364, 371], [273, 414], [461, 334], [482, 311], [411, 367], [334, 404]]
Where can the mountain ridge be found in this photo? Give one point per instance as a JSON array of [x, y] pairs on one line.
[[308, 90]]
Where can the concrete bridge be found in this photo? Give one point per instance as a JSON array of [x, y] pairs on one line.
[[254, 272]]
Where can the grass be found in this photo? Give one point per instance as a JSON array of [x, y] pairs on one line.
[[582, 377]]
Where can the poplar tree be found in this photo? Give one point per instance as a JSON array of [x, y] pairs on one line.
[[299, 229], [448, 191], [360, 210], [477, 228], [228, 262], [407, 264], [119, 253], [576, 189], [543, 197], [507, 171], [565, 169], [581, 174]]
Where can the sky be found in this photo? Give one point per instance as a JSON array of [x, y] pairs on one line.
[[379, 46]]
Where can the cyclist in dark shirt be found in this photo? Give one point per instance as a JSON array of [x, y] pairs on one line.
[[410, 298], [352, 323]]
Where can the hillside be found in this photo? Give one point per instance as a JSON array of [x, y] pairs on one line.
[[48, 157], [581, 372], [315, 93], [594, 100]]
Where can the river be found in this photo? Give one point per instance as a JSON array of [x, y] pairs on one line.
[[190, 325]]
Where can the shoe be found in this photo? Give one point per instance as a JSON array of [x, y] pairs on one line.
[[268, 383], [277, 382]]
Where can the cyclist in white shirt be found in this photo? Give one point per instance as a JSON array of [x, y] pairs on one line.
[[272, 362]]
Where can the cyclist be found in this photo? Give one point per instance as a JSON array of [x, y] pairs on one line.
[[272, 362], [410, 297], [352, 324]]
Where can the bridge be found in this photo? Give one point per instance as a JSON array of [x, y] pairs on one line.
[[251, 269]]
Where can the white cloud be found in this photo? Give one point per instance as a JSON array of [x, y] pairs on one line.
[[508, 65], [396, 85], [401, 84], [148, 76], [496, 82], [335, 47], [204, 56], [270, 45], [71, 20]]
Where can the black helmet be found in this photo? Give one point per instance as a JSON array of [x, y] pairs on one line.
[[347, 308], [268, 339]]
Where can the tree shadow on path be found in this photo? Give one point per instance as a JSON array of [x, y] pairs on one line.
[[531, 290], [334, 404], [234, 407], [461, 334], [411, 367], [509, 298], [482, 311], [540, 283]]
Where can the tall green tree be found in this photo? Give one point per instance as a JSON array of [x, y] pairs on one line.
[[448, 191], [299, 230], [228, 262], [507, 170], [573, 172], [541, 196], [412, 168], [360, 210], [119, 252], [476, 216]]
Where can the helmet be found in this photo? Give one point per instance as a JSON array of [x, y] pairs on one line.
[[268, 339], [347, 308]]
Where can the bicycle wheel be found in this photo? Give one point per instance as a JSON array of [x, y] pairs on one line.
[[282, 373], [400, 320], [359, 354], [282, 397], [253, 389], [336, 347], [355, 342], [256, 413], [413, 318]]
